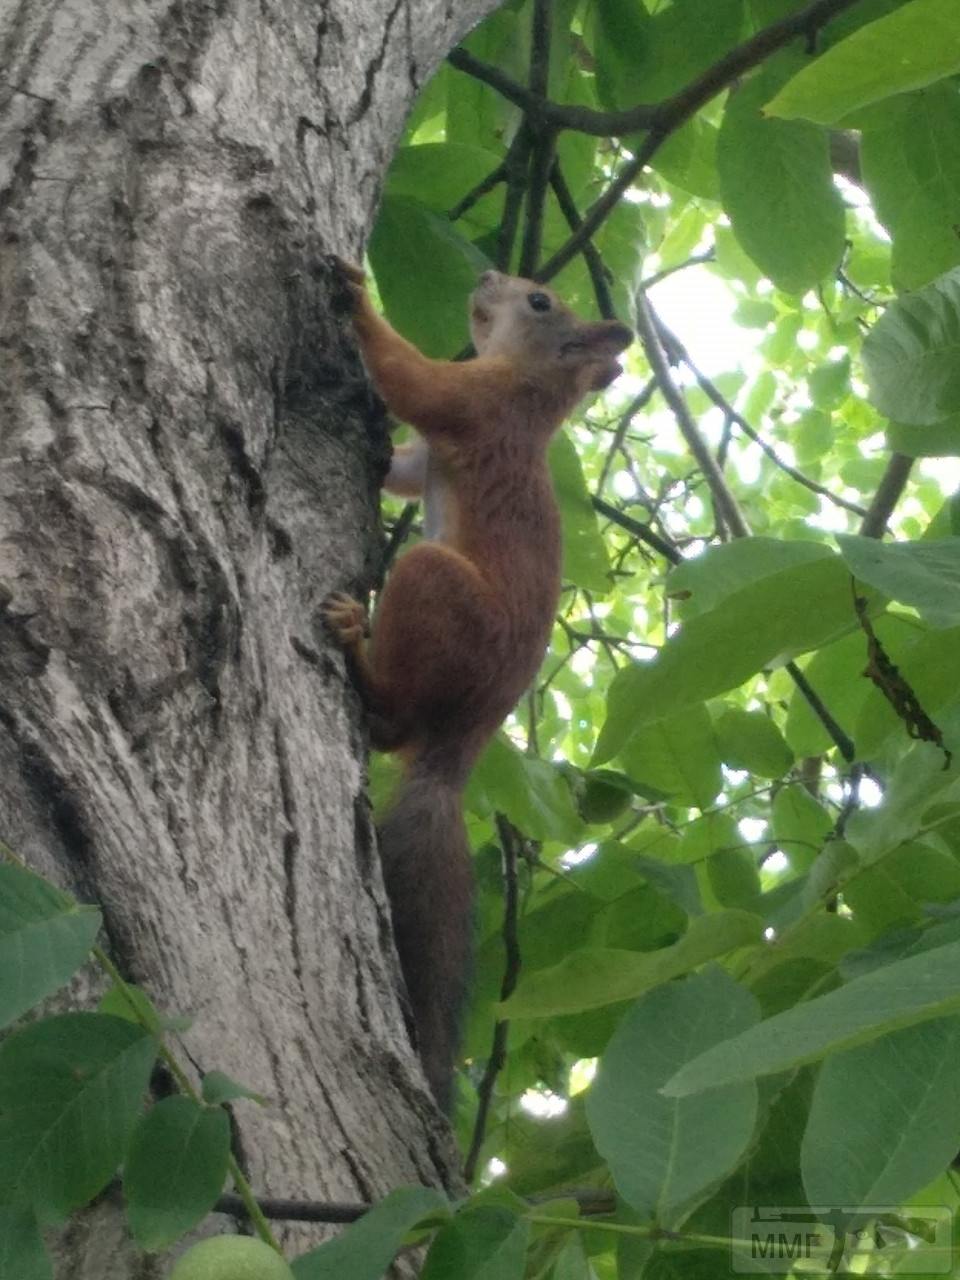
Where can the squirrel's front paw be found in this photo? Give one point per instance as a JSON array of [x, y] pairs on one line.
[[346, 619], [353, 273]]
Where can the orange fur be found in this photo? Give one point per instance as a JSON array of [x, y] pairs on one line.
[[465, 617]]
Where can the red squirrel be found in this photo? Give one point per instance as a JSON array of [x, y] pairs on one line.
[[464, 619]]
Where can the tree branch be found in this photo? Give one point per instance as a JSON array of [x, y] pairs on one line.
[[891, 486], [669, 115], [515, 167], [543, 141]]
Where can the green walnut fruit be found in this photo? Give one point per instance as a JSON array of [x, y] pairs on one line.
[[231, 1258]]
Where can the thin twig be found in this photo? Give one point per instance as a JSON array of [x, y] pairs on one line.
[[695, 260], [639, 530], [294, 1210], [590, 1200], [398, 534], [639, 401], [509, 845], [591, 254], [677, 349], [726, 503], [484, 187]]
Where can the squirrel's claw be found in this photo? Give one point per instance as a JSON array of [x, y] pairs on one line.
[[350, 271], [346, 618]]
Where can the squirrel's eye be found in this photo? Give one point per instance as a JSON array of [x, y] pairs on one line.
[[539, 301]]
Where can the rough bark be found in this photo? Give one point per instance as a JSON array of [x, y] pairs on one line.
[[189, 463]]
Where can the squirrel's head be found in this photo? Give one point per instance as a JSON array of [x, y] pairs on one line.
[[526, 321]]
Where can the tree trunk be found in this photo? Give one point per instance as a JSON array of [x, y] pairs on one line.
[[190, 460]]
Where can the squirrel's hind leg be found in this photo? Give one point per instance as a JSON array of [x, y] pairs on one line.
[[435, 647], [346, 620]]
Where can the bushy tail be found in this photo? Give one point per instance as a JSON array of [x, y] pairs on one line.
[[429, 878]]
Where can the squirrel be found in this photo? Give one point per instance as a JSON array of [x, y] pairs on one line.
[[463, 622]]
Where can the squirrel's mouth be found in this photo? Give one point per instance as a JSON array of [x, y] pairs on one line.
[[480, 314]]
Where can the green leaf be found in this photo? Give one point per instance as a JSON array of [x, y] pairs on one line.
[[731, 878], [439, 174], [45, 936], [664, 1152], [71, 1088], [895, 890], [908, 49], [750, 740], [219, 1087], [593, 976], [22, 1255], [898, 995], [585, 560], [829, 383], [534, 794], [923, 574], [688, 159], [800, 825], [476, 114], [175, 1169], [706, 581], [758, 626], [919, 780], [677, 757], [777, 184], [605, 795], [942, 440], [885, 1118], [912, 355], [812, 436], [410, 241], [709, 834], [572, 1262], [132, 1003], [486, 1242], [910, 157], [367, 1247]]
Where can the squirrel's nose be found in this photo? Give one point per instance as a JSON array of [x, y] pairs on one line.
[[488, 277]]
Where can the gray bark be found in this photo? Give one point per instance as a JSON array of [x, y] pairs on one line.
[[189, 464]]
